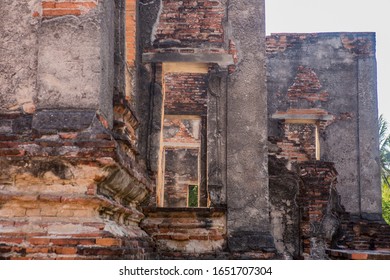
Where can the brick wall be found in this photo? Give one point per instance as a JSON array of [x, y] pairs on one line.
[[360, 234], [190, 23], [60, 187], [186, 233], [299, 143], [185, 94], [66, 226], [304, 100], [306, 86]]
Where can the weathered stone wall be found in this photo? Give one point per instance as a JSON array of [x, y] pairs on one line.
[[187, 233], [236, 122], [334, 73], [84, 46], [54, 205], [83, 97], [70, 186], [19, 59], [306, 214], [361, 234], [247, 179]]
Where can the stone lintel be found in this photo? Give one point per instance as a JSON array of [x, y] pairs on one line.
[[286, 116], [223, 60], [47, 121]]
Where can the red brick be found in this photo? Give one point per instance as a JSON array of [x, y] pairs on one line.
[[48, 5], [39, 241], [68, 135], [108, 242], [12, 152], [66, 250], [359, 256], [71, 241], [62, 12], [34, 250], [180, 237], [11, 240]]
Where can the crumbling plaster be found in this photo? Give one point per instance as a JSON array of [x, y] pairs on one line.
[[345, 65]]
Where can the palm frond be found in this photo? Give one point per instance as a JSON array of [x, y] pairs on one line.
[[384, 149]]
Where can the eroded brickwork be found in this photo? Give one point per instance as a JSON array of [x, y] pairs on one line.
[[306, 86], [70, 180], [190, 24], [359, 45], [185, 94], [303, 118], [299, 143], [328, 79], [187, 233], [363, 234], [59, 180], [319, 206], [81, 137], [285, 216]]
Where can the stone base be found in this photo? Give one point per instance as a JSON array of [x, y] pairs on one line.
[[251, 241], [186, 232]]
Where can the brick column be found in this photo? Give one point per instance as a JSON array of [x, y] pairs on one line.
[[131, 19]]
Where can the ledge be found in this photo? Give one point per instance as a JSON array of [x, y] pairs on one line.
[[223, 60], [190, 210], [303, 114]]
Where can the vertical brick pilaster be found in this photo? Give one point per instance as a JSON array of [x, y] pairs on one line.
[[131, 14]]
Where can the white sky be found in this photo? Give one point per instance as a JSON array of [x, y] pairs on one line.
[[336, 16]]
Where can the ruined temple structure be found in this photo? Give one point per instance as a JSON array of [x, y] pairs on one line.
[[166, 129]]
